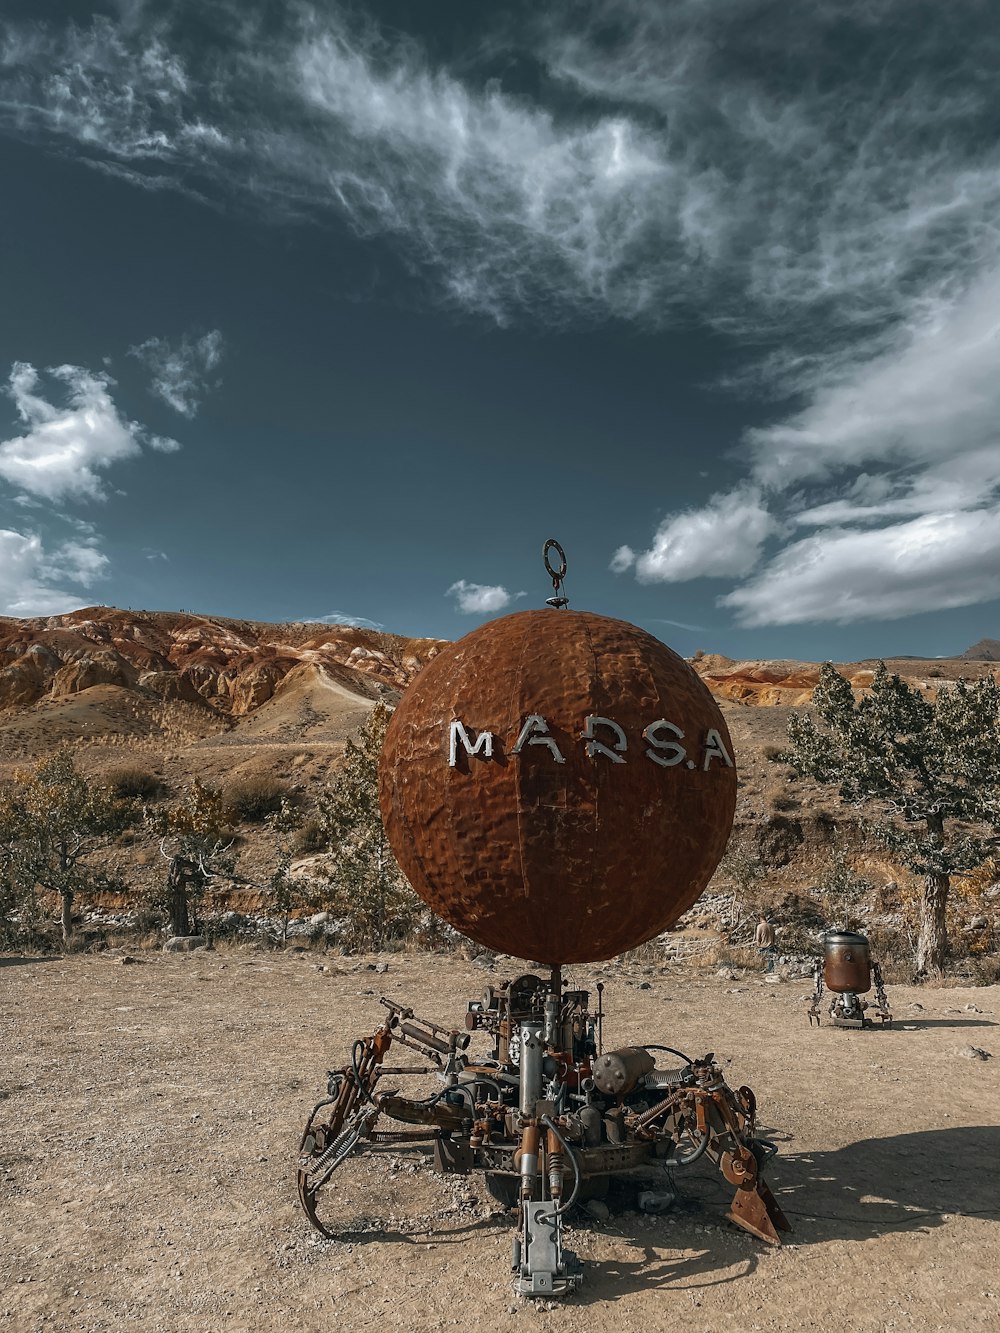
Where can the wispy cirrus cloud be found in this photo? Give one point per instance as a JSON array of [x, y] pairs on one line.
[[182, 371], [821, 188], [676, 160]]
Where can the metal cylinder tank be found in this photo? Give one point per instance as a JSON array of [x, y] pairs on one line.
[[846, 962], [558, 785], [617, 1073]]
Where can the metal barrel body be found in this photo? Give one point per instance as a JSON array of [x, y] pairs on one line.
[[617, 1073], [846, 962]]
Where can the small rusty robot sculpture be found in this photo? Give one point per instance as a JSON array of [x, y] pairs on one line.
[[558, 786], [847, 970]]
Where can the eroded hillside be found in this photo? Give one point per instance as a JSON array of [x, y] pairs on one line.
[[182, 696]]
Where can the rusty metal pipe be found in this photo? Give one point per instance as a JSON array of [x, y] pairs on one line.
[[554, 1164], [528, 1159]]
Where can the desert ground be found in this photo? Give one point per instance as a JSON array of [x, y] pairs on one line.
[[150, 1115]]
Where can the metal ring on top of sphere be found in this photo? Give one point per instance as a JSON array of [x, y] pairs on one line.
[[555, 574]]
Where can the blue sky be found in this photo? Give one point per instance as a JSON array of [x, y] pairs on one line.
[[341, 310]]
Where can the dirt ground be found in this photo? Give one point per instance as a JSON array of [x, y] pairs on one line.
[[150, 1116]]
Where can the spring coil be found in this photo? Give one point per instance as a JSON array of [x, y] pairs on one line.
[[663, 1078]]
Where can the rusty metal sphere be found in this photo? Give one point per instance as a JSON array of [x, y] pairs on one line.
[[558, 785]]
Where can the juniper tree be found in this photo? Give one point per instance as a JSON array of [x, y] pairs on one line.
[[196, 843], [745, 867], [841, 887], [285, 890], [366, 885], [54, 822], [924, 771]]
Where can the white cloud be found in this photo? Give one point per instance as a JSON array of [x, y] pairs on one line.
[[182, 371], [940, 560], [479, 598], [723, 538], [31, 577], [679, 624], [836, 214], [59, 456], [337, 618], [623, 558], [887, 455], [926, 407], [63, 450]]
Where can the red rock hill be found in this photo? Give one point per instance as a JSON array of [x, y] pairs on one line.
[[230, 666]]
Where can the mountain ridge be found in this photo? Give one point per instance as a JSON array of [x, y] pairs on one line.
[[227, 665]]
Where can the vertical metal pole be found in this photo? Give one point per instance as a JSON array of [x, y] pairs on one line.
[[532, 1051], [553, 1008]]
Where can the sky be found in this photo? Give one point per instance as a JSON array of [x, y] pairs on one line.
[[338, 311]]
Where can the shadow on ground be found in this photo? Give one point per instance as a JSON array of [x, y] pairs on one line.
[[12, 960], [947, 1023], [910, 1182]]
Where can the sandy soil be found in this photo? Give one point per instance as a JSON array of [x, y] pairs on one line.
[[150, 1114]]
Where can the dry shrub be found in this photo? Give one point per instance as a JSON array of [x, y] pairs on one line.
[[985, 970], [432, 935], [893, 947], [251, 799], [772, 752], [133, 782], [888, 897], [310, 838], [779, 799], [733, 955], [650, 952]]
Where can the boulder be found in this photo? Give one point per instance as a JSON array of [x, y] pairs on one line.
[[974, 1053], [185, 943]]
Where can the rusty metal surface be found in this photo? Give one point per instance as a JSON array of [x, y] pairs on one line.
[[847, 963], [561, 863]]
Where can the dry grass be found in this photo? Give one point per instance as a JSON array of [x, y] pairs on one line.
[[252, 798], [309, 839], [133, 781], [779, 800]]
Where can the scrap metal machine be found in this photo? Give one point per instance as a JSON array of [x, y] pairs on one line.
[[559, 786], [847, 970]]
